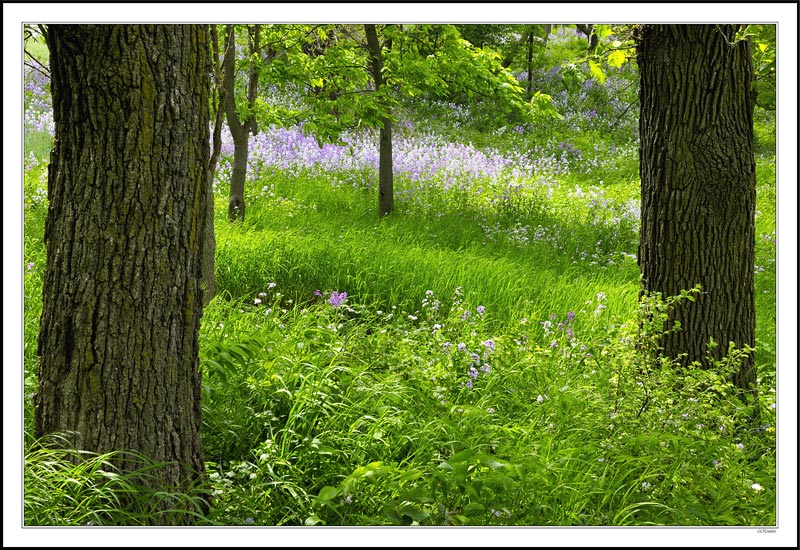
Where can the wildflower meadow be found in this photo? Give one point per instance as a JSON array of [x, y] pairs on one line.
[[473, 359]]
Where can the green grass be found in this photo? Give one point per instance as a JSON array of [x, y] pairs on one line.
[[65, 487]]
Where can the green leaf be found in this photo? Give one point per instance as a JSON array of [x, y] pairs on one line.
[[314, 520], [461, 456], [491, 462], [410, 475], [391, 514], [473, 508], [328, 493], [543, 107], [461, 472], [413, 511], [597, 72], [603, 31], [617, 58]]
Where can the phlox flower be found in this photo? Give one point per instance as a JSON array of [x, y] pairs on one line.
[[337, 298]]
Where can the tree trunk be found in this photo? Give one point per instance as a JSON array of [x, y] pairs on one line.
[[216, 148], [385, 170], [591, 36], [252, 76], [698, 185], [127, 187], [239, 130], [529, 63]]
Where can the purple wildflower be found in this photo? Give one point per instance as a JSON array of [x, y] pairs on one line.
[[337, 298]]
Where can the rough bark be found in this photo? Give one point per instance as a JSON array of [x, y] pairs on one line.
[[385, 170], [698, 185], [127, 190]]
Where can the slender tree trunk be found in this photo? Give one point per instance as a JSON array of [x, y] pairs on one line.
[[548, 28], [253, 74], [591, 36], [529, 63], [385, 170], [127, 187], [239, 131], [216, 148], [698, 185]]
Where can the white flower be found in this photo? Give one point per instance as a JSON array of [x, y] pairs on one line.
[[540, 399], [756, 487]]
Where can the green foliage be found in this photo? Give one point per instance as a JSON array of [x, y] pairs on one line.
[[764, 45], [419, 60], [66, 487]]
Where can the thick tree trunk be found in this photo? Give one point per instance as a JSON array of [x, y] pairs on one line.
[[122, 300], [698, 185], [385, 170]]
